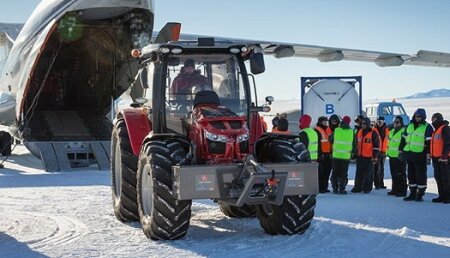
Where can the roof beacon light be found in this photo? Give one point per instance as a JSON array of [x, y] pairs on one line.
[[135, 53]]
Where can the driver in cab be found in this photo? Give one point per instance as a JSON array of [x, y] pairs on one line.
[[187, 78]]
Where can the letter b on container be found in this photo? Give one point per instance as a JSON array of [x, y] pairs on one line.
[[329, 109]]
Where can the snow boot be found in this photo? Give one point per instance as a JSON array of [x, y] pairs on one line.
[[412, 194], [438, 199], [420, 194]]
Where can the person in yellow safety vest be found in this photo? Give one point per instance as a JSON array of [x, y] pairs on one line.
[[368, 146], [324, 153], [282, 127], [308, 136], [343, 145], [417, 139], [378, 168], [440, 153], [397, 162]]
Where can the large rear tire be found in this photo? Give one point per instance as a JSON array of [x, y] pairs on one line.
[[161, 215], [295, 214], [246, 211], [123, 168]]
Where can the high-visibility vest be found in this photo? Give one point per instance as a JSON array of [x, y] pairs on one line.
[[384, 142], [395, 139], [325, 144], [343, 143], [313, 142], [437, 143], [415, 138], [365, 144]]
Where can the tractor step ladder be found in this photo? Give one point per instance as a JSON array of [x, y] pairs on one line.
[[63, 156]]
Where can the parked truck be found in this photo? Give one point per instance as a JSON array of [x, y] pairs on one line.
[[207, 143], [389, 110]]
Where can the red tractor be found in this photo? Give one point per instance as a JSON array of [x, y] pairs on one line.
[[206, 143]]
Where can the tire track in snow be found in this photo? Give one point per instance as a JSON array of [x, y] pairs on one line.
[[43, 231], [401, 232]]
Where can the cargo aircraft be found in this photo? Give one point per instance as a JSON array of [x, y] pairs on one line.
[[62, 73]]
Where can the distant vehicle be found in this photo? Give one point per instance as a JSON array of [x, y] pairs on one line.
[[389, 110], [325, 96]]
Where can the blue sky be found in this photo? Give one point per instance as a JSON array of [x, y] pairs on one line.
[[391, 26]]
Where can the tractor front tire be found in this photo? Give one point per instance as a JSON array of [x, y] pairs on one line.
[[295, 214], [162, 216], [123, 168], [246, 211]]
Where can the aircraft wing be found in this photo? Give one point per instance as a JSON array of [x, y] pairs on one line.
[[383, 59], [8, 32], [332, 54], [5, 46]]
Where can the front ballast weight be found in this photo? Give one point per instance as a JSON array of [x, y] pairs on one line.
[[249, 183]]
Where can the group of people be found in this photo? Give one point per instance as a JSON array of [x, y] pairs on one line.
[[410, 148]]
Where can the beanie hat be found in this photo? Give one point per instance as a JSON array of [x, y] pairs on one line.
[[399, 118], [346, 120], [189, 63], [304, 121], [321, 119], [283, 124], [421, 112], [335, 117], [438, 116]]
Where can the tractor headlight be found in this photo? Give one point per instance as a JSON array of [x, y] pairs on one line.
[[164, 50], [216, 137], [242, 137]]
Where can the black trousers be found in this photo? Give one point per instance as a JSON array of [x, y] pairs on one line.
[[364, 174], [324, 171], [398, 175], [417, 170], [378, 172], [339, 176], [442, 176]]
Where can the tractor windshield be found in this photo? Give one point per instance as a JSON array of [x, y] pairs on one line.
[[187, 75]]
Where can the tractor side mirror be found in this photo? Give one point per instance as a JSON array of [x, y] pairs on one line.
[[257, 65], [269, 100], [143, 77]]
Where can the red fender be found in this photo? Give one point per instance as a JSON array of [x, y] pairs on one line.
[[257, 129], [138, 127]]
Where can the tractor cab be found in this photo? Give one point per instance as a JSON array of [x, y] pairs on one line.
[[203, 94]]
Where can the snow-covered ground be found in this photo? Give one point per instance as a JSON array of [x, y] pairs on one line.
[[69, 214]]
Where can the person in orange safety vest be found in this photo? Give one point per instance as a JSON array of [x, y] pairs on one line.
[[368, 146], [378, 168], [440, 153], [324, 153]]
